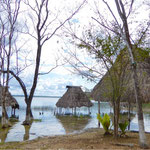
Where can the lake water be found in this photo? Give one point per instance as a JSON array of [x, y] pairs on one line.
[[50, 125]]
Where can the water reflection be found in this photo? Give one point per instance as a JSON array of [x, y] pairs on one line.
[[73, 123], [4, 131], [27, 131], [50, 125]]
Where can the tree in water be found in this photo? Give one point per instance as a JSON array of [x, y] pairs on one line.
[[8, 19], [42, 22]]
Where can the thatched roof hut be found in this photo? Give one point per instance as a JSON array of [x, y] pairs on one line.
[[102, 91], [9, 100], [74, 97]]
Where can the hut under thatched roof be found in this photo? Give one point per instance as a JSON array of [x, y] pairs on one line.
[[74, 97], [9, 100], [102, 91]]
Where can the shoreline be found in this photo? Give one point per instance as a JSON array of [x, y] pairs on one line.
[[92, 138]]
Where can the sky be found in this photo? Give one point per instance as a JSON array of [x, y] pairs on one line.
[[55, 50], [54, 83]]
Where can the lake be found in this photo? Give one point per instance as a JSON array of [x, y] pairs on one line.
[[50, 125]]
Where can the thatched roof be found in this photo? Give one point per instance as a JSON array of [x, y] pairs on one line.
[[103, 90], [10, 100], [74, 97]]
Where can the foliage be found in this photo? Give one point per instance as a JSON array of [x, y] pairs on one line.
[[105, 121], [123, 126]]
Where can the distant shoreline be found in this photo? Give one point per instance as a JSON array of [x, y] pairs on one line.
[[38, 96]]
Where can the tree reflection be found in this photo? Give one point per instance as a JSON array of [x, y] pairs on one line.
[[27, 131]]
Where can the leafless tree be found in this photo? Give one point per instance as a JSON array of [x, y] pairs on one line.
[[8, 18], [42, 21]]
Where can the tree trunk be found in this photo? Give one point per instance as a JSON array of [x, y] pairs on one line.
[[5, 122], [126, 36], [116, 117], [142, 137], [29, 115], [129, 114]]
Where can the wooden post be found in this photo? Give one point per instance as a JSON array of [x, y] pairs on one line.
[[72, 110], [129, 115], [75, 111], [98, 112], [89, 110], [14, 111]]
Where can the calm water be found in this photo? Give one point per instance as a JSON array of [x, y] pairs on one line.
[[52, 125]]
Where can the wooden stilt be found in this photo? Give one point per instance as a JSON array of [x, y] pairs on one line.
[[14, 111], [98, 112], [89, 110], [11, 111], [129, 115], [75, 111]]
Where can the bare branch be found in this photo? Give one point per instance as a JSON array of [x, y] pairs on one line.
[[130, 9], [48, 37], [105, 26]]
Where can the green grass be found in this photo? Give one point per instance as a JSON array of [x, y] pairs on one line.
[[37, 120], [146, 105]]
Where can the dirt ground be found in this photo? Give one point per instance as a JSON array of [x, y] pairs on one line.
[[90, 139]]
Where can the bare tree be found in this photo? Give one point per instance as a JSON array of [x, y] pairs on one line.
[[8, 18], [40, 12]]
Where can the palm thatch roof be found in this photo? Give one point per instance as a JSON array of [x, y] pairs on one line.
[[103, 90], [74, 97], [9, 100]]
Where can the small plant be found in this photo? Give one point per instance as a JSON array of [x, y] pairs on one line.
[[123, 126], [105, 121]]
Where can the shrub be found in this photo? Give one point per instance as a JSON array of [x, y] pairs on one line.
[[105, 121], [123, 126]]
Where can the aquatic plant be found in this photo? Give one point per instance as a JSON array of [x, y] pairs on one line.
[[105, 121]]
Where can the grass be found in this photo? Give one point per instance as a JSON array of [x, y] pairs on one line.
[[37, 120], [146, 105]]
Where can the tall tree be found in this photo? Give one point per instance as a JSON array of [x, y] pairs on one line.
[[122, 28], [40, 12], [42, 22], [8, 19], [126, 36]]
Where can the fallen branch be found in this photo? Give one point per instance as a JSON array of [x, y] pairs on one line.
[[123, 144]]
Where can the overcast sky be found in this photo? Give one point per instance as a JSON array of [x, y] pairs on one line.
[[55, 82]]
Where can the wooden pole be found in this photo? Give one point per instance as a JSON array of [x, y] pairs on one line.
[[75, 111], [129, 115], [98, 112], [89, 110]]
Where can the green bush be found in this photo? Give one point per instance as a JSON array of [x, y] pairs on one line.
[[105, 121], [123, 126]]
